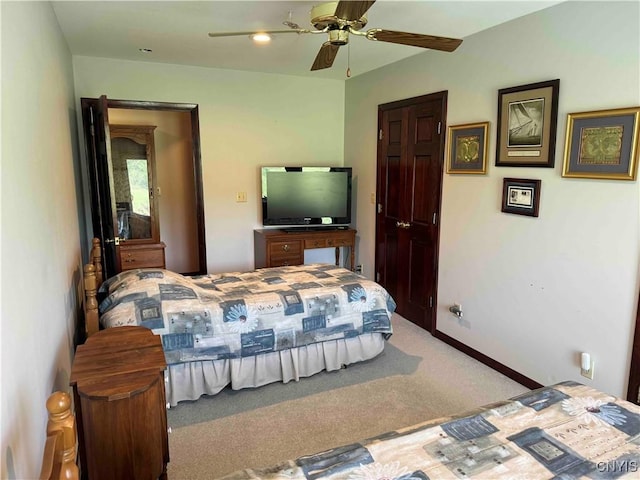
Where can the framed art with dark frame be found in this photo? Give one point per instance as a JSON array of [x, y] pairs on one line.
[[468, 148], [527, 122], [602, 144], [521, 196]]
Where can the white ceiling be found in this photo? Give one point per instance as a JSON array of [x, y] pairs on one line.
[[177, 31]]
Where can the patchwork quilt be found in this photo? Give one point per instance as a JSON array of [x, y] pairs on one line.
[[566, 431], [235, 315]]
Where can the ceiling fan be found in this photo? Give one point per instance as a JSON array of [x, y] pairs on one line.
[[341, 19]]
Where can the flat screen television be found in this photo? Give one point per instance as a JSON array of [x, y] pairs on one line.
[[312, 197]]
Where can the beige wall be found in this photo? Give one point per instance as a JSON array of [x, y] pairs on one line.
[[247, 120], [535, 291], [174, 169], [40, 233]]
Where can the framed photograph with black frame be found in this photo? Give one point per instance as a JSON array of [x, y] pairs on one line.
[[521, 196], [468, 148], [527, 123], [602, 144]]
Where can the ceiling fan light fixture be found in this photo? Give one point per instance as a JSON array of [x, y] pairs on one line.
[[261, 38], [339, 37]]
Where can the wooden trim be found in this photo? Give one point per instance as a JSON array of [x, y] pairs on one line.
[[633, 389], [148, 105], [490, 362], [59, 458], [444, 98], [197, 172], [407, 102]]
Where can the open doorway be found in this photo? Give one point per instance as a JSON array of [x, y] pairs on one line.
[[178, 189]]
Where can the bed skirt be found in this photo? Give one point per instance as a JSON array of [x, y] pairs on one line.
[[191, 380]]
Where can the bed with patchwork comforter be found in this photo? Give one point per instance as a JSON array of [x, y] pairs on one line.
[[251, 328], [566, 431]]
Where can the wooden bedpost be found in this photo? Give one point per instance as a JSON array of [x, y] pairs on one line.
[[90, 300], [96, 259], [60, 450]]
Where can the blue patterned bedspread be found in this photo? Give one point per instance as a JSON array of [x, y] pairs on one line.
[[566, 431], [237, 314]]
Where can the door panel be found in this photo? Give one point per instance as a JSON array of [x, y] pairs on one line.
[[96, 125], [410, 160], [393, 202]]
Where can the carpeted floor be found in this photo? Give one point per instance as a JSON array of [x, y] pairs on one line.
[[416, 378]]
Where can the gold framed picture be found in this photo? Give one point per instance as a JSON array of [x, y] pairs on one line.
[[602, 144], [467, 146]]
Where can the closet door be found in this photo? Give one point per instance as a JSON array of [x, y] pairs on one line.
[[410, 159]]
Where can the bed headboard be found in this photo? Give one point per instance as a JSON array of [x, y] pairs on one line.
[[92, 281], [59, 458]]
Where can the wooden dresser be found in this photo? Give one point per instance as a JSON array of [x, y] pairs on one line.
[[276, 248], [118, 386]]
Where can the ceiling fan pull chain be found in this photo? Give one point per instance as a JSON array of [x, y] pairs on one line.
[[348, 60]]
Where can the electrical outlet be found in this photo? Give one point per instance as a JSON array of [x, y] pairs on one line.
[[588, 373], [241, 197], [359, 270]]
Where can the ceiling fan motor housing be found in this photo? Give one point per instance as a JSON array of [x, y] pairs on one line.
[[324, 15]]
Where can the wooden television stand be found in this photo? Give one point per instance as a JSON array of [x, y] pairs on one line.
[[277, 248]]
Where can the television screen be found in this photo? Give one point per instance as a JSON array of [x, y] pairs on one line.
[[313, 196]]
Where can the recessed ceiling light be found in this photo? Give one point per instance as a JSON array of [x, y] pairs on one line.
[[145, 50], [261, 37]]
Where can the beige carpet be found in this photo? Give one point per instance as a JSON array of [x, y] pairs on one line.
[[444, 382]]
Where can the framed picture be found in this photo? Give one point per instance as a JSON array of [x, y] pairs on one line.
[[602, 144], [521, 196], [468, 148], [527, 121]]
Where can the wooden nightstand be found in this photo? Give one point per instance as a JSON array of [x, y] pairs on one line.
[[119, 395]]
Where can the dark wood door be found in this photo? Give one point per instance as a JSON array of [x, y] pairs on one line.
[[410, 159], [95, 114]]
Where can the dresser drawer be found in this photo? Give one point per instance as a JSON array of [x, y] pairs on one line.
[[315, 243], [285, 261], [142, 257], [280, 249], [340, 240]]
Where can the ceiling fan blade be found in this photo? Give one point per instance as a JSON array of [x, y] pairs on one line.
[[415, 39], [236, 34], [325, 57], [352, 9]]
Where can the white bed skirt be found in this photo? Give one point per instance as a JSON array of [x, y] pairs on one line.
[[189, 381]]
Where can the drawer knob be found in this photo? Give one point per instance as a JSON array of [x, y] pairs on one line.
[[285, 247]]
